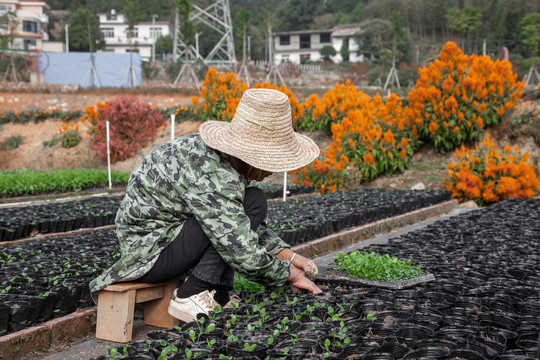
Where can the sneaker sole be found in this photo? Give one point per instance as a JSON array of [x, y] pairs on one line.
[[180, 315]]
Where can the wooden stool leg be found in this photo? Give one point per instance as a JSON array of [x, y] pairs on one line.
[[156, 311], [115, 315]]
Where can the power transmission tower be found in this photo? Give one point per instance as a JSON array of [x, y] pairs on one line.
[[392, 75], [244, 73], [217, 17], [11, 70], [186, 51], [273, 73], [92, 77]]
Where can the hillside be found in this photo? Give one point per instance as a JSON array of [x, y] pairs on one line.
[[426, 166]]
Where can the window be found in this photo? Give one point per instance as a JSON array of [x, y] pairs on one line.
[[108, 32], [30, 26], [111, 17], [305, 41], [284, 40], [133, 33], [5, 8], [155, 32], [29, 44], [325, 38]]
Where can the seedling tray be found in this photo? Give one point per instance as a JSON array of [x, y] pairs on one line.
[[335, 278]]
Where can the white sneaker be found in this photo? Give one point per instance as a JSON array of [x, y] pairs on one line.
[[187, 309]]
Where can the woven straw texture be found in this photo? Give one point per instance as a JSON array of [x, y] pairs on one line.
[[261, 133]]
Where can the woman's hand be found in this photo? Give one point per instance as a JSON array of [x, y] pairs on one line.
[[300, 263], [297, 282], [305, 265]]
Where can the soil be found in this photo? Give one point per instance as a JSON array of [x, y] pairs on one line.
[[427, 166]]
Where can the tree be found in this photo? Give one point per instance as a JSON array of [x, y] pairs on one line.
[[344, 51], [530, 30], [298, 14], [340, 18], [464, 21], [164, 44], [133, 15], [79, 38], [327, 51]]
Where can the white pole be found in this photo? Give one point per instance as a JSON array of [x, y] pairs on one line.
[[172, 126], [284, 186], [153, 33], [108, 155], [67, 37]]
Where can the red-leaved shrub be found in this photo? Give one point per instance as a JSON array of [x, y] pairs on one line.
[[132, 124]]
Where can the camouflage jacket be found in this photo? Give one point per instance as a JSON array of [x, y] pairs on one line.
[[183, 178]]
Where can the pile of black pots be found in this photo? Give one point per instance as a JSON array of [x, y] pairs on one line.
[[57, 270], [21, 222], [306, 218], [484, 304]]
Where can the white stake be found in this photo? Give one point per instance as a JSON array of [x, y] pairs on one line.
[[172, 126], [284, 186], [108, 155]]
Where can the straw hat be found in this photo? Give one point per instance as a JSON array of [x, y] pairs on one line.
[[261, 133]]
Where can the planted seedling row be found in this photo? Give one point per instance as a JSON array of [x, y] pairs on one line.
[[21, 222], [484, 304]]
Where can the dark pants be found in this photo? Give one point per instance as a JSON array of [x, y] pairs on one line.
[[192, 250]]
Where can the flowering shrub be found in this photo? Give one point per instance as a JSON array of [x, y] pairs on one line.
[[458, 95], [488, 174], [37, 115], [374, 137], [69, 134], [320, 114], [221, 93], [132, 124]]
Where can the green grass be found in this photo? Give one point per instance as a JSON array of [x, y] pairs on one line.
[[241, 283], [27, 182]]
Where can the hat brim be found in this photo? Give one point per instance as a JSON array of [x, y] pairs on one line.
[[277, 157]]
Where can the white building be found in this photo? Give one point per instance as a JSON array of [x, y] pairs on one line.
[[296, 46], [114, 27], [31, 23]]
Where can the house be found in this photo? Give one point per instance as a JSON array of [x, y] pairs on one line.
[[305, 45], [114, 27], [30, 28]]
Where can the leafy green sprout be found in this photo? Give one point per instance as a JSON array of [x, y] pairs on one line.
[[377, 267], [248, 347]]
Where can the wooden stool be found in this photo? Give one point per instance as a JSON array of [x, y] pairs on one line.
[[116, 305]]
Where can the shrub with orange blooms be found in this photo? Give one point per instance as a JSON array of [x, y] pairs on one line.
[[320, 114], [69, 133], [458, 95], [489, 174], [132, 124], [377, 136], [329, 175], [220, 95], [374, 137]]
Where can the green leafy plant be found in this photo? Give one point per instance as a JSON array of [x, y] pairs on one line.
[[241, 283], [11, 143], [70, 138], [49, 143], [372, 266]]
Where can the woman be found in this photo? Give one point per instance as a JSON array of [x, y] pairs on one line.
[[188, 209]]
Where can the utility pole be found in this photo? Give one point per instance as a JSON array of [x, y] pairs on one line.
[[154, 32], [67, 37]]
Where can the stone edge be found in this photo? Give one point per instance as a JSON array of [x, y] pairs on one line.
[[83, 322]]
